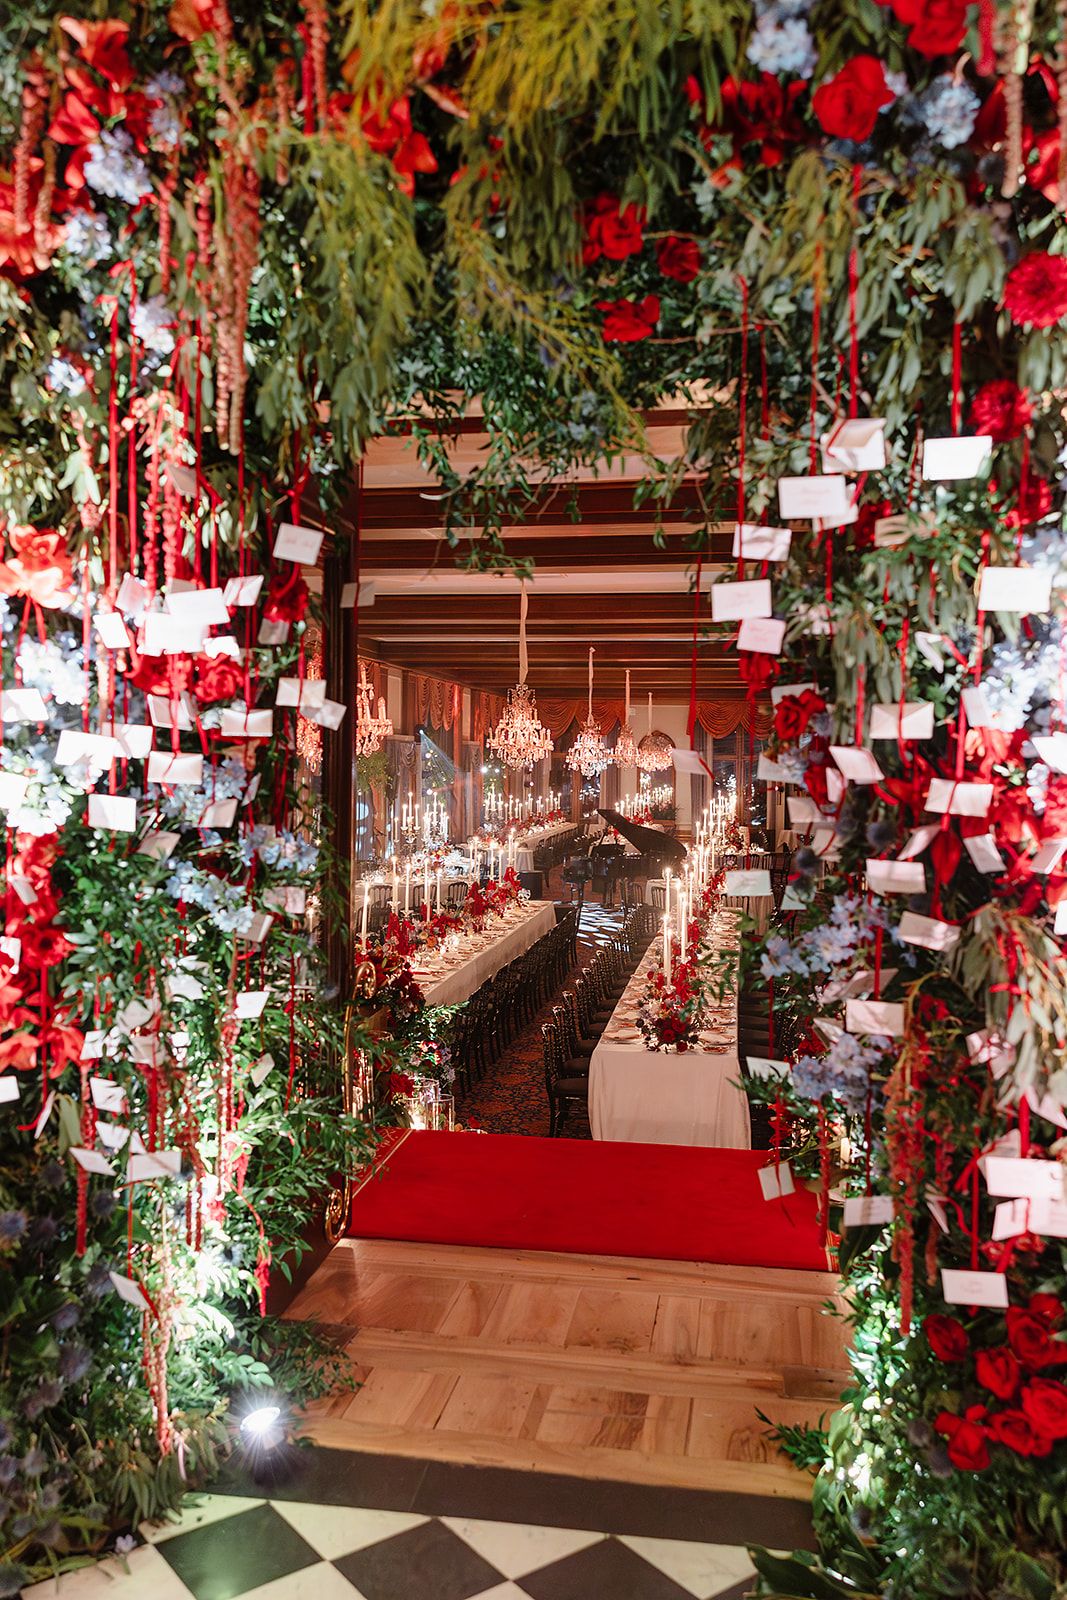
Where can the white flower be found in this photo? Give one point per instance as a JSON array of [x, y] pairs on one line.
[[64, 377], [165, 124], [161, 83], [151, 322], [114, 168], [46, 667], [782, 44], [86, 236]]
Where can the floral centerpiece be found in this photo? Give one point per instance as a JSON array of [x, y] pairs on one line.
[[672, 1009]]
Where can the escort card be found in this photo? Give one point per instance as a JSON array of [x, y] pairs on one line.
[[896, 877], [182, 477], [166, 768], [982, 849], [132, 596], [782, 691], [258, 928], [730, 602], [1051, 749], [688, 761], [205, 607], [857, 445], [755, 884], [263, 1067], [891, 532], [294, 543], [9, 1088], [927, 932], [219, 815], [768, 771], [92, 1045], [974, 1288], [243, 591], [874, 1016], [959, 799], [921, 839], [912, 720], [1047, 1107], [929, 647], [134, 739], [92, 1161], [166, 635], [159, 844], [856, 764], [1020, 1175], [826, 497], [329, 715], [1012, 1217], [272, 632], [114, 812], [128, 1290], [247, 724], [99, 749], [802, 811], [107, 1096], [1047, 858], [292, 901], [959, 456], [301, 692], [776, 1182], [976, 708], [154, 1164], [754, 542], [249, 1003], [348, 596], [868, 1211], [763, 635], [112, 1135], [22, 705], [224, 644], [24, 889], [764, 1067], [160, 709], [1014, 589]]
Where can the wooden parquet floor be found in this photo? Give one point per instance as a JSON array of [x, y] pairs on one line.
[[636, 1371]]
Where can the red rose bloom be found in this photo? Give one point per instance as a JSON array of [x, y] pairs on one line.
[[794, 712], [612, 232], [936, 27], [1045, 1402], [847, 105], [1014, 1429], [287, 597], [220, 678], [1046, 1306], [678, 258], [1035, 294], [38, 566], [946, 1337], [43, 947], [627, 321], [763, 112], [1030, 1339], [756, 668], [998, 1371], [1001, 409], [967, 1445]]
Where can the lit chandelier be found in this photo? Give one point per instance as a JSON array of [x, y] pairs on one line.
[[625, 744], [655, 753], [589, 755], [519, 739], [371, 731]]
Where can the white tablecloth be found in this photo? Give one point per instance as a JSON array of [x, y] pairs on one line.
[[647, 1096], [528, 843], [450, 985]]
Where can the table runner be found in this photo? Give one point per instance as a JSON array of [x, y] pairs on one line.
[[449, 982]]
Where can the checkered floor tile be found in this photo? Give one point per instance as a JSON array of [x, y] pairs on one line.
[[228, 1548]]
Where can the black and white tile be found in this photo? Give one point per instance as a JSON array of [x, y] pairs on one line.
[[235, 1547]]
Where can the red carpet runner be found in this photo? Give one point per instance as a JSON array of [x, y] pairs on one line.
[[586, 1197]]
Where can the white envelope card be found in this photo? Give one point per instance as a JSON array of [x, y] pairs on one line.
[[868, 1211], [896, 877], [768, 771], [23, 887], [128, 1290], [974, 1288], [982, 849], [349, 594], [776, 1182], [294, 543], [1052, 750], [976, 707], [163, 767], [802, 811], [205, 607], [893, 531], [958, 456], [857, 445], [825, 497], [112, 631], [134, 739], [921, 839], [132, 596], [160, 710], [243, 591], [92, 1045], [874, 1016], [730, 602], [262, 1069], [247, 724], [754, 542], [111, 1135], [107, 1096], [1020, 1175], [23, 705], [301, 692], [1015, 589], [754, 884], [1048, 856], [329, 715], [13, 788], [165, 635], [92, 1161], [912, 720], [763, 635], [959, 799], [219, 815], [927, 932], [159, 844], [766, 1067], [154, 1164], [929, 647], [9, 1088], [115, 812], [223, 645], [782, 691], [856, 764], [258, 928], [272, 632], [99, 749], [249, 1003]]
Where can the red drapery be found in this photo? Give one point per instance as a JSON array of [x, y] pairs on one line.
[[723, 717]]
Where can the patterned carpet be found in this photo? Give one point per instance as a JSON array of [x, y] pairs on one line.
[[511, 1097]]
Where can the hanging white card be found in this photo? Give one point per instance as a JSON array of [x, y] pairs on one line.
[[22, 705], [974, 1288], [292, 901], [976, 708], [982, 849], [782, 691], [776, 1182], [765, 1067], [912, 720], [856, 764], [24, 889], [132, 596], [755, 542], [754, 884], [329, 715], [224, 645], [1051, 748], [258, 928], [263, 1067], [868, 1211], [166, 768], [154, 1164], [929, 933], [129, 1291], [763, 635], [1048, 856], [9, 1087], [802, 811], [107, 1096], [160, 710], [349, 592], [874, 1016], [272, 632], [921, 839], [959, 799], [111, 1135], [115, 812], [243, 591], [159, 844], [91, 1161], [1027, 589], [247, 724], [730, 602], [857, 445], [13, 787], [134, 739], [203, 607], [249, 1003], [166, 635], [825, 497], [98, 749], [958, 456], [1020, 1175], [219, 815], [929, 647], [896, 877], [294, 543], [92, 1045], [302, 692], [1047, 1107], [768, 771], [893, 531]]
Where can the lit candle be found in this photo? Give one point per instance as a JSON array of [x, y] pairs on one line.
[[366, 898], [407, 885], [667, 948], [396, 900], [438, 888]]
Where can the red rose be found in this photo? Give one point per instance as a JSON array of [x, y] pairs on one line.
[[627, 321], [763, 111], [1030, 1339], [43, 947], [967, 1446], [39, 566], [161, 675], [946, 1337], [1046, 1306], [998, 1371], [936, 26], [756, 668], [1045, 1402], [287, 597], [1014, 1429], [794, 712], [847, 105], [1036, 291], [220, 678], [611, 231], [1001, 409], [102, 46], [678, 258]]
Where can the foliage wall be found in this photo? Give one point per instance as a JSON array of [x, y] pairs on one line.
[[236, 244]]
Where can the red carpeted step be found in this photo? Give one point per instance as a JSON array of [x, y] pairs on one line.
[[665, 1202]]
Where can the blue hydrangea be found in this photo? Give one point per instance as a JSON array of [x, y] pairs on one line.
[[948, 110], [782, 44], [843, 1073], [781, 957]]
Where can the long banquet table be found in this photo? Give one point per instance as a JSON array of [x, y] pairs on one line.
[[447, 978], [528, 842], [660, 1097]]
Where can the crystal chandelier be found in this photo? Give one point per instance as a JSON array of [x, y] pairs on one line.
[[625, 744], [655, 753], [519, 739], [371, 731], [589, 755]]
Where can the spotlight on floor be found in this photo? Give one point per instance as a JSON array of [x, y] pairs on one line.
[[260, 1422]]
